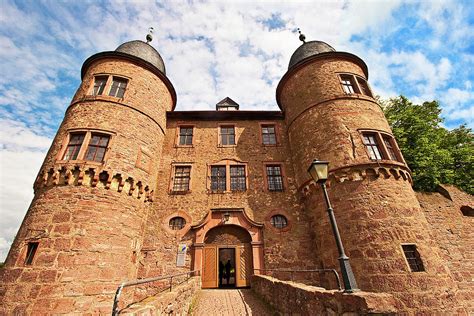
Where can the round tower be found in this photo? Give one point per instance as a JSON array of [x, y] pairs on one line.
[[83, 231], [331, 114]]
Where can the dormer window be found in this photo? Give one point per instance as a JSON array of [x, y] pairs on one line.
[[227, 104]]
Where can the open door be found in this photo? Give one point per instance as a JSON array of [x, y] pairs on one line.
[[244, 265], [209, 268]]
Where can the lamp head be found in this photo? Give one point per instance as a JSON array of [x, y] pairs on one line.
[[319, 170], [225, 217]]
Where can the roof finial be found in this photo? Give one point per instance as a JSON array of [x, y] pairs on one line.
[[302, 37], [149, 36]]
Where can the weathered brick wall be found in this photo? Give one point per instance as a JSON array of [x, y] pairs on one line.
[[286, 248], [291, 298], [454, 234]]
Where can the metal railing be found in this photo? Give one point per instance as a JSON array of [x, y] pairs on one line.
[[333, 271], [115, 309]]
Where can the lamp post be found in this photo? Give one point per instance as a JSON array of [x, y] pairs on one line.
[[319, 172]]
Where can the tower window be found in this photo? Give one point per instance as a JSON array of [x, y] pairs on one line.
[[268, 135], [237, 178], [182, 175], [227, 135], [218, 178], [279, 221], [30, 252], [274, 178], [370, 142], [390, 150], [364, 87], [413, 258], [177, 223], [74, 146], [99, 84], [185, 135], [97, 147], [349, 84], [118, 87]]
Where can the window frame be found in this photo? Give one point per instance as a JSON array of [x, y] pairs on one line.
[[178, 134], [103, 92], [282, 171], [108, 86], [84, 146], [173, 175], [419, 262], [177, 217], [262, 125], [30, 253], [219, 137], [380, 137], [273, 229], [227, 164], [359, 89]]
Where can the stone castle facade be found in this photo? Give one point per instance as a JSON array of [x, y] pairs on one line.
[[128, 179]]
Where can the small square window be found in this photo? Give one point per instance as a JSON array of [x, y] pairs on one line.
[[99, 84], [30, 252], [74, 146], [182, 175], [97, 147], [227, 135], [413, 258], [348, 84], [118, 87], [274, 178], [370, 142], [185, 135], [269, 135]]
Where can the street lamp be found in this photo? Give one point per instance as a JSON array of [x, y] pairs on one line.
[[319, 172], [225, 217]]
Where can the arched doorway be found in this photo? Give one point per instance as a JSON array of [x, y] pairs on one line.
[[227, 260], [227, 234]]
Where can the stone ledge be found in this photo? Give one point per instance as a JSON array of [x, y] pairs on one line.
[[295, 298], [93, 176]]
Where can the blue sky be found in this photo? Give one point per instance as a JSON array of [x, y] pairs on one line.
[[241, 49]]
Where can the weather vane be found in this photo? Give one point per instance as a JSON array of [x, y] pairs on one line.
[[302, 37], [149, 36]]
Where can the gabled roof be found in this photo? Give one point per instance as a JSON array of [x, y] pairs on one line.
[[227, 102]]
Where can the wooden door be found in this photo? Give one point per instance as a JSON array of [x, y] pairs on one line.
[[244, 265], [209, 267]]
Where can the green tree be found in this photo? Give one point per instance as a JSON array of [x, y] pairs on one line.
[[434, 154]]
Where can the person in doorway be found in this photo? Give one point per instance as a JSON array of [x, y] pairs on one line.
[[228, 266], [221, 271]]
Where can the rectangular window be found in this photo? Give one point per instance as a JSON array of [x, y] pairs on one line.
[[74, 146], [370, 142], [391, 152], [413, 257], [99, 85], [237, 178], [218, 178], [268, 135], [348, 84], [227, 135], [186, 135], [182, 175], [118, 87], [30, 252], [274, 178], [364, 86], [97, 147]]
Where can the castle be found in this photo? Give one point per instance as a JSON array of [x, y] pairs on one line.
[[128, 179]]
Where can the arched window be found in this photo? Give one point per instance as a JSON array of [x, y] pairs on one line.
[[177, 223], [279, 221]]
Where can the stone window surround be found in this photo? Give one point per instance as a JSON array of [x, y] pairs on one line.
[[379, 136], [226, 124], [268, 219], [85, 145], [178, 128], [108, 85], [173, 171], [406, 260], [277, 133], [283, 174], [355, 82], [227, 163], [182, 231]]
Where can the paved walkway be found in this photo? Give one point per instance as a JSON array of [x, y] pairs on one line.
[[229, 302]]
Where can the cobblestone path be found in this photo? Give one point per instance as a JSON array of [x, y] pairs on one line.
[[230, 302]]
